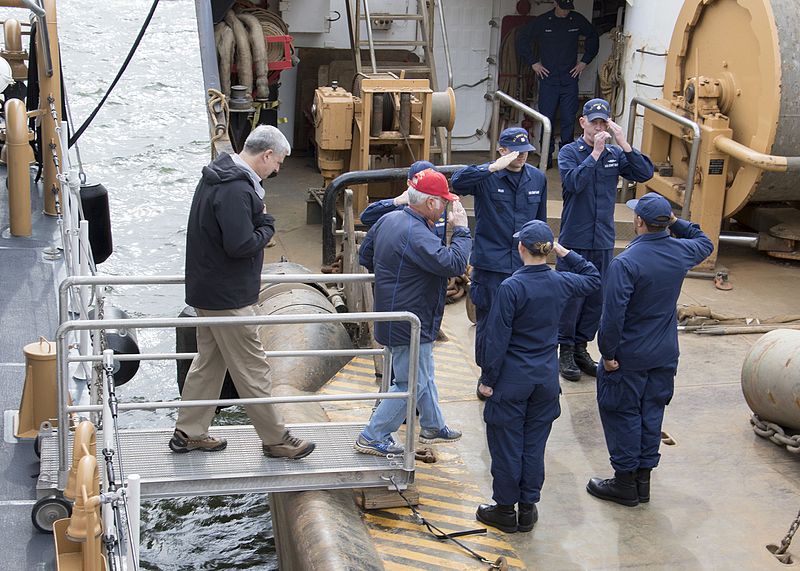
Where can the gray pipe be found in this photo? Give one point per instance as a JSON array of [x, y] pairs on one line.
[[739, 239]]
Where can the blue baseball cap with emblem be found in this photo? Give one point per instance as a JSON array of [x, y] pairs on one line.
[[534, 232], [515, 139], [566, 4], [597, 109], [652, 208], [418, 167]]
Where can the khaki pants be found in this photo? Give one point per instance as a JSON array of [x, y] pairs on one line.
[[237, 348]]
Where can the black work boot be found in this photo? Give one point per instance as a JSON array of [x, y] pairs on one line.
[[528, 515], [584, 360], [566, 363], [643, 484], [620, 489], [500, 516]]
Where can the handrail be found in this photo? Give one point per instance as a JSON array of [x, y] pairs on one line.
[[547, 128], [178, 279], [368, 18], [345, 180], [648, 104], [188, 356], [445, 45], [64, 329]]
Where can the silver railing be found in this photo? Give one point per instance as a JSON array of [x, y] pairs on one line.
[[67, 326], [547, 129], [686, 213]]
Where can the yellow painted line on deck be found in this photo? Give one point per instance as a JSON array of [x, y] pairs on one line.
[[445, 561], [433, 491], [484, 540]]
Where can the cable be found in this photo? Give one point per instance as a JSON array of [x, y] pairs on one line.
[[122, 69]]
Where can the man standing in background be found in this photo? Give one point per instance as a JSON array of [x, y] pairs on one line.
[[555, 33]]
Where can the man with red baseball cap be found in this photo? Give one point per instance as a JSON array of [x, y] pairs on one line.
[[411, 268]]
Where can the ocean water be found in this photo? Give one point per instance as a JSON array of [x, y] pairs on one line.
[[147, 146]]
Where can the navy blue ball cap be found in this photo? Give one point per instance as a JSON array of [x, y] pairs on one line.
[[566, 4], [597, 109], [418, 167], [534, 232], [515, 139], [652, 208]]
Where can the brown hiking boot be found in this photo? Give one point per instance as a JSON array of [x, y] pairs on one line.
[[290, 447], [181, 443]]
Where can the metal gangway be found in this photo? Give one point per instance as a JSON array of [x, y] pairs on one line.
[[241, 467]]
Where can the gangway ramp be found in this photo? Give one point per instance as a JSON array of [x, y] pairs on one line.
[[241, 467]]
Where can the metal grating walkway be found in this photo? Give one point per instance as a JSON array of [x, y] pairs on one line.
[[241, 467]]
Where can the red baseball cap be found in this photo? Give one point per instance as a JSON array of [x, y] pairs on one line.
[[433, 183]]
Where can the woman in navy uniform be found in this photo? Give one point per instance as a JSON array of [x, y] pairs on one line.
[[520, 372], [638, 341]]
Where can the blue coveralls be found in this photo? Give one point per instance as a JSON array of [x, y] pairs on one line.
[[639, 330], [589, 190], [411, 268], [504, 201], [521, 366], [557, 42], [374, 211]]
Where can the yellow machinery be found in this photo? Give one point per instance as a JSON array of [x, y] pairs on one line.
[[732, 71], [388, 125]]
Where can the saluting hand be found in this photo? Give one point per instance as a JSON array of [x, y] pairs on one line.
[[458, 216], [619, 135], [560, 250], [578, 69], [504, 161], [402, 199], [540, 70]]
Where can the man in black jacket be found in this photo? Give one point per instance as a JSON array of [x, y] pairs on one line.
[[225, 239]]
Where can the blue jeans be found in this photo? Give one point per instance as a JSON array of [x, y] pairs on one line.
[[390, 413]]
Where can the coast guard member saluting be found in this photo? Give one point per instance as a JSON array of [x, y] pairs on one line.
[[520, 373], [411, 268], [590, 168], [639, 343], [508, 193]]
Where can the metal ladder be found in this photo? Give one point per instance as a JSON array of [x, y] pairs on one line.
[[359, 11]]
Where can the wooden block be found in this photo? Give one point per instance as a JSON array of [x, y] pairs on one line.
[[381, 498]]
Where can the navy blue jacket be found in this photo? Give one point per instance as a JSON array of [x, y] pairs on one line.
[[639, 326], [589, 190], [225, 238], [378, 208], [411, 268], [557, 39], [522, 326], [500, 210]]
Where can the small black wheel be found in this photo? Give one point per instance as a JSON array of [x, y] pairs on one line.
[[48, 510], [37, 446]]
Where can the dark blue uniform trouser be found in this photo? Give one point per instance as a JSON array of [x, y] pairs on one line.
[[482, 289], [631, 407], [553, 97], [518, 420], [581, 315]]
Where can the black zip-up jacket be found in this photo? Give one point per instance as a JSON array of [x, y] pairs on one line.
[[225, 238]]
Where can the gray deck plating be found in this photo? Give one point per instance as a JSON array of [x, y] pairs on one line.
[[241, 467]]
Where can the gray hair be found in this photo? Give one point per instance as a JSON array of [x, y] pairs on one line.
[[416, 197], [264, 138]]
